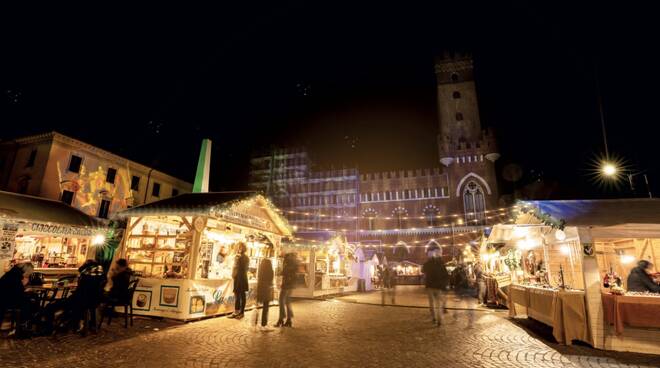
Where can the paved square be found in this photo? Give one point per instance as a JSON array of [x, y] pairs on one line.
[[329, 333]]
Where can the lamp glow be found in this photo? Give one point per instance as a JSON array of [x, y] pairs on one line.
[[609, 169], [560, 235], [565, 250], [98, 239], [627, 259]]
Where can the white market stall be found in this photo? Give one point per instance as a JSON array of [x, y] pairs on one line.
[[328, 264], [54, 236], [184, 248], [570, 253]]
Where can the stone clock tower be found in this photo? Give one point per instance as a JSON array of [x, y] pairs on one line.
[[467, 152]]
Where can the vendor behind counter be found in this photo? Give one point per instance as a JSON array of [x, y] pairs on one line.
[[640, 279]]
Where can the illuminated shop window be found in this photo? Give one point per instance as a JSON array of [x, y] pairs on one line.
[[67, 197], [75, 163], [110, 175]]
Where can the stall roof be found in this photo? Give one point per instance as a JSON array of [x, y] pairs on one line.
[[602, 212], [202, 204], [37, 209]]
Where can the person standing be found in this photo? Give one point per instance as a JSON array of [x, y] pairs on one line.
[[241, 286], [265, 288], [289, 270], [436, 279]]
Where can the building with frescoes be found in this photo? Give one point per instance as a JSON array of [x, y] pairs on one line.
[[98, 182], [448, 204]]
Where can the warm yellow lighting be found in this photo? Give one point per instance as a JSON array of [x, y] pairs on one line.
[[627, 259], [560, 235], [565, 249], [609, 169], [98, 239]]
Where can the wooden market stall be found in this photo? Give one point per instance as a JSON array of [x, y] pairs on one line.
[[184, 247], [326, 264], [54, 236], [408, 273], [587, 247]]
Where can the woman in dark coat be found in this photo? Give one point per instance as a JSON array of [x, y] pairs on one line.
[[241, 286], [289, 270], [265, 287]]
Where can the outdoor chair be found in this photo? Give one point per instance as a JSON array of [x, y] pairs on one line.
[[111, 305]]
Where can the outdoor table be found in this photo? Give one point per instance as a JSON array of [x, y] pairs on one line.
[[631, 310]]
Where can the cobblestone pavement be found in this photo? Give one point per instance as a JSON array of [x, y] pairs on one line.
[[325, 334], [411, 296]]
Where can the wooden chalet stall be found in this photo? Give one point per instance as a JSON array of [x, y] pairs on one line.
[[587, 247], [54, 236], [184, 247]]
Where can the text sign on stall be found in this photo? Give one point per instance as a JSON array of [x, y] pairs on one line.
[[8, 232], [246, 219], [60, 230]]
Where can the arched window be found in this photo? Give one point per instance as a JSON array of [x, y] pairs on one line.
[[474, 203], [430, 214], [459, 116], [456, 95], [454, 77], [400, 215], [370, 214]]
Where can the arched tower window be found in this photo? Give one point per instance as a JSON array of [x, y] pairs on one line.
[[430, 214], [400, 215], [459, 116], [456, 95], [474, 203], [454, 77], [370, 214]]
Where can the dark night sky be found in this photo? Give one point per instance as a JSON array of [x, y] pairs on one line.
[[149, 84]]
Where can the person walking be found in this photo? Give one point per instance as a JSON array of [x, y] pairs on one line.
[[436, 279], [389, 286], [481, 284], [289, 269], [241, 286], [265, 288]]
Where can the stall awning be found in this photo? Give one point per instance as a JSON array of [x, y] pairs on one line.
[[35, 209]]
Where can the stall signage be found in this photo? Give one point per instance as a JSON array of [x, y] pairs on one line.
[[8, 232], [60, 230], [244, 219]]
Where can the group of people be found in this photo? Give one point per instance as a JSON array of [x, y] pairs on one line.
[[94, 286], [265, 292]]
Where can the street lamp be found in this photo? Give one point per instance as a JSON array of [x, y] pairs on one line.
[[608, 169], [613, 171]]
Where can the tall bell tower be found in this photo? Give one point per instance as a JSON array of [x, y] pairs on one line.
[[466, 150]]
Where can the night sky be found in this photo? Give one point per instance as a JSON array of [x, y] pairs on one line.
[[355, 84]]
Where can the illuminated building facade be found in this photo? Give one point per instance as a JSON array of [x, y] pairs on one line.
[[448, 204], [98, 182]]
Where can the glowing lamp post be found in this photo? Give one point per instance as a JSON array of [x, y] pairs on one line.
[[609, 169]]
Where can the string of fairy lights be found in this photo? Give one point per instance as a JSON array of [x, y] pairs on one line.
[[374, 217]]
